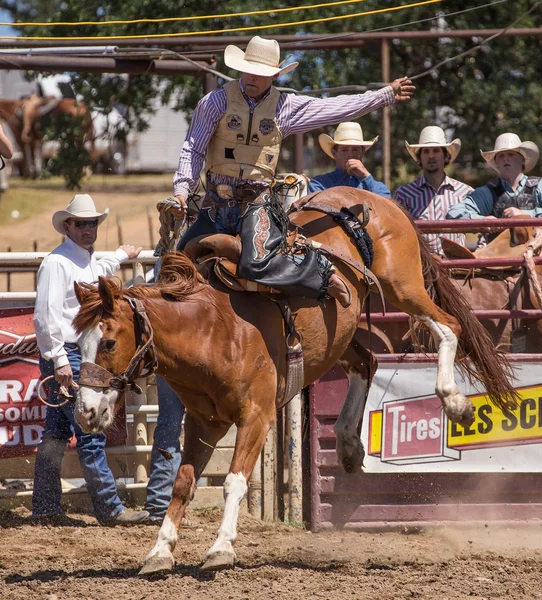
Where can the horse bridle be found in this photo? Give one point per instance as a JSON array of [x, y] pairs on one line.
[[93, 375]]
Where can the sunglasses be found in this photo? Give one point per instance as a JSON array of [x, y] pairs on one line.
[[87, 223]]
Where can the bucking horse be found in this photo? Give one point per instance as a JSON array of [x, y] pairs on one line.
[[225, 352]]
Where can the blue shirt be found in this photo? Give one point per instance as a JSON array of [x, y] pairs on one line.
[[338, 177], [479, 203]]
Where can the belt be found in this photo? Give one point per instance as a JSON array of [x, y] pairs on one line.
[[235, 194]]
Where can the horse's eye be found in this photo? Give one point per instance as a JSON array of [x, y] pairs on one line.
[[109, 344]]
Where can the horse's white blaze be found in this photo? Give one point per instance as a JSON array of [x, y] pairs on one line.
[[346, 426], [235, 489], [167, 538], [94, 410]]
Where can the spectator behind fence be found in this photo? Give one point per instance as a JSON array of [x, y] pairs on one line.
[[431, 195], [348, 149], [512, 193], [56, 306]]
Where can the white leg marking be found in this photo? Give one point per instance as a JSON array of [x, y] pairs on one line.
[[446, 347], [235, 489], [458, 408], [167, 539], [349, 446]]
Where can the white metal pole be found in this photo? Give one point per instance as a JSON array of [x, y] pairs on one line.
[[295, 470], [268, 483]]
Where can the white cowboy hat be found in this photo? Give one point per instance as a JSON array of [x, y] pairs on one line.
[[511, 141], [262, 57], [81, 207], [346, 134], [434, 137]]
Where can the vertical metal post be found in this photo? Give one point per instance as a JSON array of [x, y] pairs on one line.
[[140, 420], [295, 471], [152, 398], [35, 247], [386, 124], [298, 153], [269, 476], [255, 490], [210, 81], [8, 276], [150, 223]]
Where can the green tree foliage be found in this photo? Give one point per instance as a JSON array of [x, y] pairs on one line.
[[495, 90]]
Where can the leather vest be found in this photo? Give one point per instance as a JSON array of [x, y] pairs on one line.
[[246, 143], [525, 200]]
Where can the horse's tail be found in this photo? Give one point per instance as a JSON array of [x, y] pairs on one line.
[[477, 358]]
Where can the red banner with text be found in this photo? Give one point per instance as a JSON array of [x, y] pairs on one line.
[[22, 415]]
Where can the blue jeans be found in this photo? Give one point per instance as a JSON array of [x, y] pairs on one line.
[[60, 425], [227, 221], [163, 471]]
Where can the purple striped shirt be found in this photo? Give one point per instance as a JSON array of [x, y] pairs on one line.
[[295, 114], [422, 201]]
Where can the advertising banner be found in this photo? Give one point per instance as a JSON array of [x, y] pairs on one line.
[[22, 415], [405, 428]]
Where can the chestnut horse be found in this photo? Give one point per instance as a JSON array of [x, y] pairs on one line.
[[224, 353]]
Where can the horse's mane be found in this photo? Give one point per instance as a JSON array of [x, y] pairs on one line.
[[178, 279]]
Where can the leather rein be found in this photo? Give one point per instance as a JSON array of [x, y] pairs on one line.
[[93, 375]]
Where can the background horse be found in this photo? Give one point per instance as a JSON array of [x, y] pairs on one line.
[[484, 288], [224, 352], [24, 118]]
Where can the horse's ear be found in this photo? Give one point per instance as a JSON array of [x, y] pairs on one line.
[[80, 293], [106, 294]]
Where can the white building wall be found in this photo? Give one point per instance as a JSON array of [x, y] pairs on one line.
[[157, 149]]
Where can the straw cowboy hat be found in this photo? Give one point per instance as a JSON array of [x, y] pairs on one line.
[[434, 137], [262, 57], [80, 207], [510, 141], [346, 134]]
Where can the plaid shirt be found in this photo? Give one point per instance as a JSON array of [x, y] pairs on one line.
[[423, 202]]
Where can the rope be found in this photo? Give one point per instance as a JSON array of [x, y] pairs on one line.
[[478, 46], [67, 397], [170, 227], [174, 19], [217, 31]]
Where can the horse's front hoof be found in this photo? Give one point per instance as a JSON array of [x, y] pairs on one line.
[[459, 409], [218, 561], [157, 565], [351, 454]]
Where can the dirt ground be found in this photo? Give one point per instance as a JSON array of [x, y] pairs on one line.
[[89, 562]]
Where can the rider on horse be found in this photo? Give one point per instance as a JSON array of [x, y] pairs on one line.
[[238, 131]]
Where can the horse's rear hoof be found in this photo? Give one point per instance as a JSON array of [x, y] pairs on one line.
[[218, 560], [157, 565]]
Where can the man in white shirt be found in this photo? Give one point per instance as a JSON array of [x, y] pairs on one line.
[[56, 306]]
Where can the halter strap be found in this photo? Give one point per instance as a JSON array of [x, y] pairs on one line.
[[93, 375]]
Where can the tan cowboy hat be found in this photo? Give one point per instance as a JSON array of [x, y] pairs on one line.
[[262, 57], [434, 137], [511, 141], [346, 134], [80, 207]]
